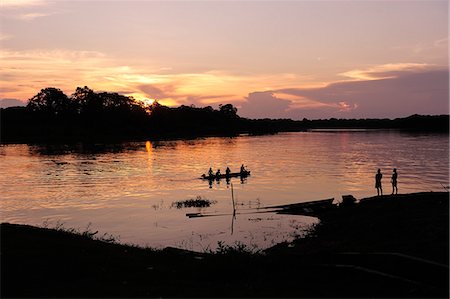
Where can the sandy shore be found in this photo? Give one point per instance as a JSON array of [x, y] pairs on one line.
[[392, 246]]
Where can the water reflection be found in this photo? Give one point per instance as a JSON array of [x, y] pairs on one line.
[[148, 147], [54, 149], [127, 189], [228, 180]]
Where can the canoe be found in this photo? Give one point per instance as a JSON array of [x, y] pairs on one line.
[[305, 208], [225, 176]]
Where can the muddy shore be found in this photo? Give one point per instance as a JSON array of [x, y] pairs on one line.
[[391, 246]]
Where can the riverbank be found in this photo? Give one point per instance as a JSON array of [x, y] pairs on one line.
[[392, 246]]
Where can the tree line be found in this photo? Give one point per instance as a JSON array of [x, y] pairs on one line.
[[51, 115]]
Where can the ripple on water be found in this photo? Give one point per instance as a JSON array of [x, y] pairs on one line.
[[127, 189]]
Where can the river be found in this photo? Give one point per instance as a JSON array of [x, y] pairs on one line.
[[129, 190]]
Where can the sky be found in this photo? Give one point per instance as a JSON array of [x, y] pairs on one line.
[[275, 59]]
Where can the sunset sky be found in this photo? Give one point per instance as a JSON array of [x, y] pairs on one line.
[[294, 59]]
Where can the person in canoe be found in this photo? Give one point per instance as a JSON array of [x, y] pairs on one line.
[[218, 174], [243, 170], [227, 172], [210, 172]]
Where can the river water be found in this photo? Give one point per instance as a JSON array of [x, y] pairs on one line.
[[129, 189]]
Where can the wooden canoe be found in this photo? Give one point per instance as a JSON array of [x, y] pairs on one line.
[[225, 176], [305, 208]]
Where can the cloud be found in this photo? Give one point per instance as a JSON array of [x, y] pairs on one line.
[[4, 36], [346, 107], [37, 69], [153, 92], [437, 48], [55, 55], [20, 3], [388, 90], [66, 69], [26, 10], [264, 105], [406, 93], [384, 71], [168, 92], [5, 103], [275, 104], [210, 100], [32, 16]]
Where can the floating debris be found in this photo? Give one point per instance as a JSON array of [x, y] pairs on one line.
[[198, 202]]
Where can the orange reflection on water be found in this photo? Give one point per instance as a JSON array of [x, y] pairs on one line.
[[148, 146], [128, 191]]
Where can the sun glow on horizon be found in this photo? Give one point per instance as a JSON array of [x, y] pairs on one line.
[[141, 98], [195, 54]]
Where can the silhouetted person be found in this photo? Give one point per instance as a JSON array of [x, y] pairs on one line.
[[394, 181], [210, 172], [378, 177], [218, 173], [228, 171], [243, 169]]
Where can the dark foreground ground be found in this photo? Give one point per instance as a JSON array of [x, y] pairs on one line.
[[393, 246]]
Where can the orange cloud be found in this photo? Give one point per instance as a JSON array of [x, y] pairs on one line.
[[29, 71], [20, 3], [4, 36], [384, 71], [32, 16], [401, 94], [24, 73]]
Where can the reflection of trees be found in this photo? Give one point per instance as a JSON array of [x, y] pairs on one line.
[[82, 150]]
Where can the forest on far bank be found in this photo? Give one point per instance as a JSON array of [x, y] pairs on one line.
[[51, 115]]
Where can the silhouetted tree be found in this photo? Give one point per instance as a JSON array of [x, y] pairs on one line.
[[50, 100], [117, 101], [228, 110], [87, 115], [208, 109], [87, 100]]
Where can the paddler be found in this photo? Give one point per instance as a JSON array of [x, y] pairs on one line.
[[243, 169]]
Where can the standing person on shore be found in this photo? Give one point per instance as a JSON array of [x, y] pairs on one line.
[[394, 181], [378, 177]]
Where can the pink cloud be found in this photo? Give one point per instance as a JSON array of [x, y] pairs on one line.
[[264, 105], [406, 93], [346, 107]]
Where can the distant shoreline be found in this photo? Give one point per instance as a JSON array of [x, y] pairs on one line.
[[118, 124], [399, 247]]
